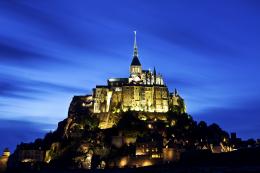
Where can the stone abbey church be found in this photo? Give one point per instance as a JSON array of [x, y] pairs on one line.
[[143, 91]]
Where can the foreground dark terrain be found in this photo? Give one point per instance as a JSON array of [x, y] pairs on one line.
[[244, 160]]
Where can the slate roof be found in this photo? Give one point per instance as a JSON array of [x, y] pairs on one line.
[[136, 61]]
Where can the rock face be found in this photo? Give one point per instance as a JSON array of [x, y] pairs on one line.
[[135, 139]]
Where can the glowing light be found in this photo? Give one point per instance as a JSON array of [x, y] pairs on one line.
[[168, 154], [6, 153], [123, 162], [156, 156], [139, 152], [27, 160], [142, 117], [147, 163], [173, 122]]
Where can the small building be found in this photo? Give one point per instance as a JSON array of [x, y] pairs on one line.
[[4, 159]]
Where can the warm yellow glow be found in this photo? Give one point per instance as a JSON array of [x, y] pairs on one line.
[[139, 152], [129, 140], [81, 127], [168, 154], [150, 126], [105, 125], [142, 117], [123, 162], [156, 156], [173, 122], [6, 154], [147, 163], [47, 156], [28, 160]]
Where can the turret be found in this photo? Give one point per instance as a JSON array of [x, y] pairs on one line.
[[154, 76], [4, 160], [6, 153], [175, 92]]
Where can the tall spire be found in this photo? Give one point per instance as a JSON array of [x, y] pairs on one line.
[[135, 46], [135, 61]]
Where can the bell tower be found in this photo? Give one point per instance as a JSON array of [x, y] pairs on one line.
[[135, 68]]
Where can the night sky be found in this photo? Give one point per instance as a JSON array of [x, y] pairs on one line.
[[53, 50]]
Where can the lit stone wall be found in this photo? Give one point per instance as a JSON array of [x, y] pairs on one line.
[[143, 91], [127, 97], [100, 96], [175, 101], [147, 98], [116, 100]]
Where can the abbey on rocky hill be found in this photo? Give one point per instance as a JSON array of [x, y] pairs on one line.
[[143, 91], [131, 122]]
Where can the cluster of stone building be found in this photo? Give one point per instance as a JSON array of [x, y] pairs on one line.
[[146, 152], [143, 90]]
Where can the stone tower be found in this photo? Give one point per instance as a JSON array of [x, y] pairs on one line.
[[135, 68]]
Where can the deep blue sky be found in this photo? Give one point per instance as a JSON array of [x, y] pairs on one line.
[[52, 50]]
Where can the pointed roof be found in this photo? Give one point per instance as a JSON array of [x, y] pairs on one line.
[[6, 150], [154, 71], [135, 60], [175, 92]]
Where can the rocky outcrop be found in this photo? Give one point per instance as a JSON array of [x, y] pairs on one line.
[[79, 142]]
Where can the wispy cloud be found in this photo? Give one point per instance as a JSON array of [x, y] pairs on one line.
[[22, 88], [20, 54], [195, 41]]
